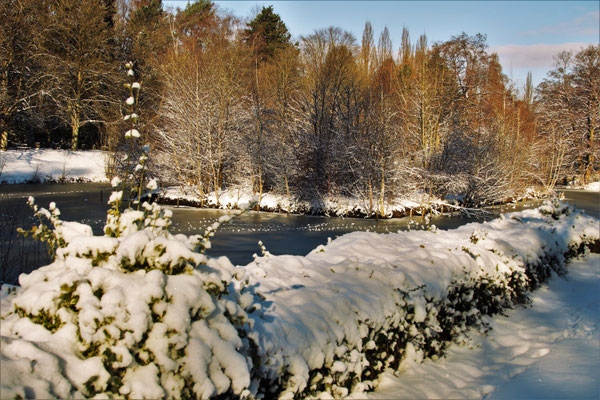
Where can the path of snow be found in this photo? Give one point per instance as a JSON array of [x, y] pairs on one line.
[[551, 350], [18, 166]]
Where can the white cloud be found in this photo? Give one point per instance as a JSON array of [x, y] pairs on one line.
[[587, 24], [533, 55]]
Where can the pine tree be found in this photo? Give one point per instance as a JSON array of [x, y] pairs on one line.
[[267, 33]]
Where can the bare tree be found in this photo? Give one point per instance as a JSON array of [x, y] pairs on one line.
[[18, 69], [75, 49]]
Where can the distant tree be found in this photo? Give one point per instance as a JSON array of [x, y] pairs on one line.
[[204, 111], [329, 62], [282, 81], [147, 40], [586, 81], [196, 20], [528, 94], [569, 107]]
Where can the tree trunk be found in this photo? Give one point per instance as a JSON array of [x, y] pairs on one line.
[[4, 140], [382, 196], [370, 197], [75, 130], [590, 157]]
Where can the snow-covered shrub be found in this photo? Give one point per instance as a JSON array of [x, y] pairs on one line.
[[54, 236], [136, 312], [555, 208]]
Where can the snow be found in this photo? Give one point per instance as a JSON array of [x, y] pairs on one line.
[[132, 133], [329, 323], [19, 166], [549, 350], [593, 187], [238, 198]]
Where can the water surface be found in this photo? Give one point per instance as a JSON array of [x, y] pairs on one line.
[[280, 233]]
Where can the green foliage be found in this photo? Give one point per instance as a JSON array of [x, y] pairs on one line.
[[267, 33], [42, 231], [48, 320], [148, 12]]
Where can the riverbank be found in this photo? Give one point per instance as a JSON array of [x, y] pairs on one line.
[[414, 204], [64, 166]]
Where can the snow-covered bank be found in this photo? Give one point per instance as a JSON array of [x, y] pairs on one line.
[[592, 187], [338, 206], [131, 315], [418, 203], [45, 165], [550, 350]]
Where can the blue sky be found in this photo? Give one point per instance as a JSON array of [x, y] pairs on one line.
[[525, 34]]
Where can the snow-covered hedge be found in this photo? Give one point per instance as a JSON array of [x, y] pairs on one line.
[[142, 313], [366, 302]]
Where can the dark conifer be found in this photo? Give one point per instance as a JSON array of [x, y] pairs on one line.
[[267, 33]]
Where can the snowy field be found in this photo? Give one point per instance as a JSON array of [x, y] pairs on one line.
[[550, 350], [20, 166]]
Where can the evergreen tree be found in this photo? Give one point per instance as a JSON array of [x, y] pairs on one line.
[[196, 19], [267, 33]]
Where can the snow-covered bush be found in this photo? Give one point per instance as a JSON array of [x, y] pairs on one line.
[[136, 312], [368, 302]]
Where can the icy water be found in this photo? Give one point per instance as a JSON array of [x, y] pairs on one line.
[[587, 201], [280, 233]]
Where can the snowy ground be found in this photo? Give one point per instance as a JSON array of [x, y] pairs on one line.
[[551, 350], [19, 166], [593, 187]]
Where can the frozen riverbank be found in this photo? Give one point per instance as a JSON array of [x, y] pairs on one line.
[[46, 165]]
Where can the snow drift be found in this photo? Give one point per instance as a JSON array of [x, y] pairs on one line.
[[144, 314]]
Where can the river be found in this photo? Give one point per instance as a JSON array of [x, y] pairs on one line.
[[280, 233]]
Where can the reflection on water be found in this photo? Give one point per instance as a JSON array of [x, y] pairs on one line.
[[280, 233]]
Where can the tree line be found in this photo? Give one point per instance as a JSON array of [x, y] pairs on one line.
[[228, 103]]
